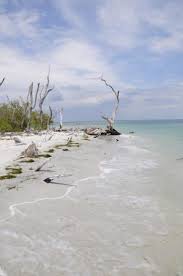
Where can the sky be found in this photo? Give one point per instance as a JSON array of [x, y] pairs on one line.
[[136, 45]]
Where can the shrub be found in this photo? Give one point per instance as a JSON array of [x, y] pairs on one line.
[[14, 118]]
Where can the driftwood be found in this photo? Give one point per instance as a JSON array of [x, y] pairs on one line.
[[31, 151], [98, 131], [111, 131], [17, 140], [94, 131], [41, 166]]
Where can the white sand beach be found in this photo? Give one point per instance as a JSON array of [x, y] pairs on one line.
[[102, 215], [9, 150]]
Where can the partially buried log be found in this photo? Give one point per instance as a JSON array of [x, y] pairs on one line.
[[94, 131], [31, 151], [41, 166], [98, 131], [17, 140], [112, 131]]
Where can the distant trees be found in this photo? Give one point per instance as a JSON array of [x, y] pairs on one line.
[[12, 114], [26, 114]]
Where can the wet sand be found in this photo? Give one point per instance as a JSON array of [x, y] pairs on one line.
[[107, 219]]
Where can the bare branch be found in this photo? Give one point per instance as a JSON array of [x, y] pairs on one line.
[[50, 116], [35, 98], [1, 83], [43, 95]]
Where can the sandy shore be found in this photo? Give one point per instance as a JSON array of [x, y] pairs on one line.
[[104, 215], [10, 151], [33, 216]]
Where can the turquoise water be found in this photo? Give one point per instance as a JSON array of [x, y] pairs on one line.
[[165, 136], [164, 140]]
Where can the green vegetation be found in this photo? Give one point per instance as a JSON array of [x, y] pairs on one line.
[[28, 161], [69, 144], [50, 151], [46, 155], [12, 173], [13, 117], [7, 176], [15, 170]]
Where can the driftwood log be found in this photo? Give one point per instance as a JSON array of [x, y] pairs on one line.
[[31, 151], [99, 131]]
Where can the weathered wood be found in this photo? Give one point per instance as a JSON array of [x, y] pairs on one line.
[[43, 95], [112, 131], [98, 131], [41, 166], [31, 151]]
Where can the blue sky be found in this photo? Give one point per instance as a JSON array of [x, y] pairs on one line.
[[135, 44]]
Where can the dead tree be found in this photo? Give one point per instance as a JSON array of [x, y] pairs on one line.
[[43, 95], [50, 118], [61, 112], [1, 83], [111, 120], [31, 102]]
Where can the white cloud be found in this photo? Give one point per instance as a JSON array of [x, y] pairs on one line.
[[22, 23], [72, 63], [77, 56], [155, 25]]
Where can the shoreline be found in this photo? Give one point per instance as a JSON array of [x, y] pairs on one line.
[[110, 212]]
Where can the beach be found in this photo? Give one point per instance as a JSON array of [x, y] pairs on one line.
[[108, 212]]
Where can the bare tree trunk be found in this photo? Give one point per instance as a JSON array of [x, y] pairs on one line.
[[31, 102], [111, 120], [50, 117], [61, 112], [43, 95]]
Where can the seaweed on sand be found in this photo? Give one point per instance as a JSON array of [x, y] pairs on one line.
[[12, 173], [28, 161]]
